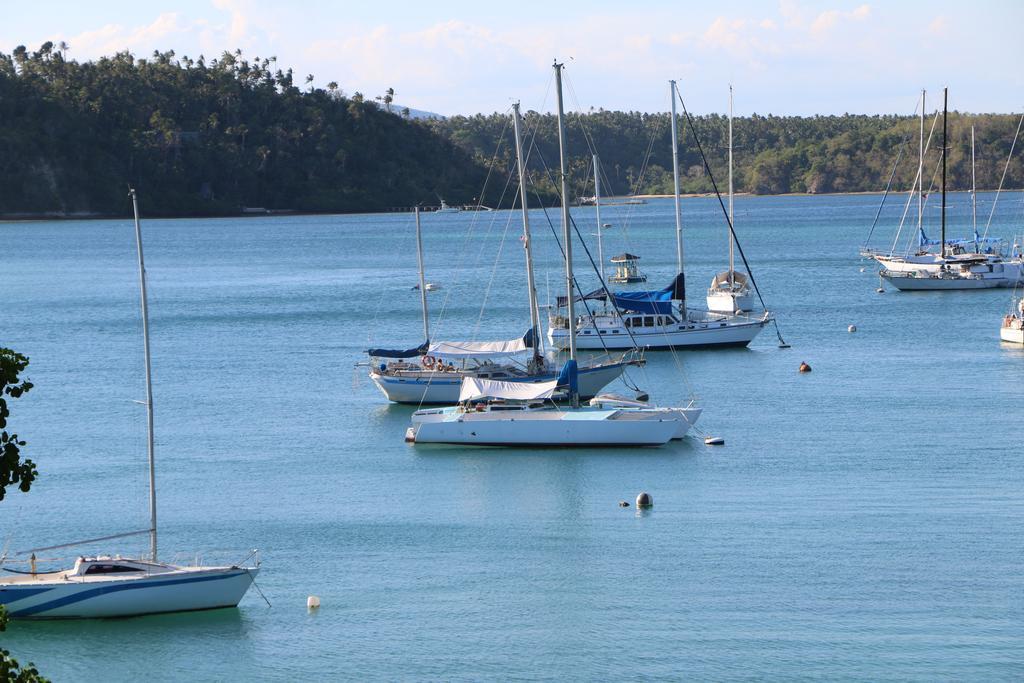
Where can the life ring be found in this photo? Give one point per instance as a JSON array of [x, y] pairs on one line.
[[428, 362]]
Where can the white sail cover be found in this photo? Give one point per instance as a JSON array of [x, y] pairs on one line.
[[474, 388], [468, 349]]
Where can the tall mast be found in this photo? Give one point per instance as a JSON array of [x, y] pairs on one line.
[[597, 206], [675, 180], [423, 281], [566, 229], [974, 195], [945, 150], [920, 174], [149, 380], [538, 349], [732, 222]]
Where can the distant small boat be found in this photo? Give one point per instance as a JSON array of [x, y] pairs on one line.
[[627, 269], [429, 287], [444, 208]]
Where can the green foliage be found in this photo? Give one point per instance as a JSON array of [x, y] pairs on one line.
[[13, 470], [772, 154], [10, 670], [207, 137]]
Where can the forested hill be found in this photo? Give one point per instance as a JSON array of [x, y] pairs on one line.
[[772, 154], [201, 137], [207, 137]]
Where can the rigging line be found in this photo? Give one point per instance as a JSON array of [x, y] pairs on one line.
[[1003, 178], [618, 312], [711, 177], [888, 186], [918, 180], [732, 231], [497, 260]]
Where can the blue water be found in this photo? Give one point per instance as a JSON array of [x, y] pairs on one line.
[[862, 522]]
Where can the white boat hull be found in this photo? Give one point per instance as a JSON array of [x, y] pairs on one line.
[[88, 597], [688, 335], [549, 428], [1013, 336], [442, 388], [911, 282]]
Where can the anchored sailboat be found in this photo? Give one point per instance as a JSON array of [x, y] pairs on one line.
[[104, 586], [954, 268], [729, 291], [494, 413], [656, 319]]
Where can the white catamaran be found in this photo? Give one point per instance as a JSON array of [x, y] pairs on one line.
[[495, 413], [115, 586], [656, 319]]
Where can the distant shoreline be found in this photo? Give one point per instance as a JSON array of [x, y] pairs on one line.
[[88, 215]]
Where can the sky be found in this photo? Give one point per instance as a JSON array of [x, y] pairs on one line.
[[462, 57]]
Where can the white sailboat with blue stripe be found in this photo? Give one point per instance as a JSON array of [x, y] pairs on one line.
[[105, 586]]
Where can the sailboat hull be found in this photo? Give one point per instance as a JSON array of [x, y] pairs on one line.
[[552, 429], [442, 388], [709, 334], [186, 590]]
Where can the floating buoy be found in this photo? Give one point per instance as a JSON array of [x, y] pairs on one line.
[[642, 396], [880, 290], [862, 270], [623, 504], [410, 435], [804, 367], [644, 500], [312, 602], [851, 328], [714, 441]]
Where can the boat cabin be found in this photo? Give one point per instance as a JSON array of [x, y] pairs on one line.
[[627, 269]]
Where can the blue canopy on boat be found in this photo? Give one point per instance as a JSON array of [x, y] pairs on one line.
[[654, 301], [393, 353], [569, 377]]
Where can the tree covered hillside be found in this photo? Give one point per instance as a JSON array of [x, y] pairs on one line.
[[207, 137], [204, 137], [772, 154]]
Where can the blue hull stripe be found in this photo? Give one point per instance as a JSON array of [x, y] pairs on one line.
[[102, 590], [9, 595]]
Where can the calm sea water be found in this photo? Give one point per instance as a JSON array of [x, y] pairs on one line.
[[863, 521]]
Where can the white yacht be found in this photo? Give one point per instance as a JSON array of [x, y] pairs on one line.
[[1012, 329], [954, 269], [656, 319], [730, 291], [104, 586]]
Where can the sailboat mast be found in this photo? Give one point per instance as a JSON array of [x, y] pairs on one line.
[[423, 280], [149, 380], [974, 195], [597, 206], [566, 229], [732, 223], [527, 243], [945, 150], [675, 180], [920, 173]]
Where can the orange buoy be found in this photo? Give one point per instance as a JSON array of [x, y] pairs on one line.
[[804, 367]]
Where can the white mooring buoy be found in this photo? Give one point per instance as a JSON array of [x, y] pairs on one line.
[[851, 328], [714, 441], [312, 602], [644, 500]]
